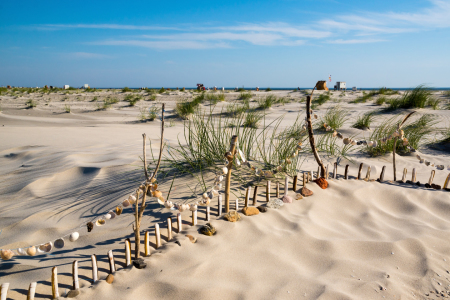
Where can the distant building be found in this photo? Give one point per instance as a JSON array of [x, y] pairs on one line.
[[354, 89], [341, 85], [86, 86], [66, 86]]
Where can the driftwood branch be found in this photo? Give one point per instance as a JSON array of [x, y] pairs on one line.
[[395, 143], [311, 134]]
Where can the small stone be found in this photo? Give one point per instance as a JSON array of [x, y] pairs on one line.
[[409, 182], [110, 278], [428, 186], [322, 182], [139, 263], [262, 209], [232, 216], [191, 238], [275, 203], [208, 229], [436, 186], [298, 197], [250, 211], [286, 199], [306, 192], [73, 293], [418, 183]]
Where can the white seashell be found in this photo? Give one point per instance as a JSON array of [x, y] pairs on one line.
[[131, 202], [214, 192], [21, 251], [238, 163], [125, 203], [181, 208], [193, 207], [220, 178], [6, 254], [346, 141], [353, 143], [225, 170], [168, 204], [186, 206], [160, 201], [440, 167], [100, 222], [74, 236], [370, 144], [107, 216], [31, 251], [132, 198], [112, 214], [335, 133], [205, 195], [374, 144]]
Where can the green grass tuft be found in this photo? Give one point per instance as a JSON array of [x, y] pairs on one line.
[[31, 103], [334, 117], [319, 100], [364, 121], [252, 119], [417, 98], [266, 102]]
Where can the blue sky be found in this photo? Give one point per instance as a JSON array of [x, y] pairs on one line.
[[284, 43]]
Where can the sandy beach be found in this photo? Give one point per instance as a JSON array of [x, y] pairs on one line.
[[70, 160]]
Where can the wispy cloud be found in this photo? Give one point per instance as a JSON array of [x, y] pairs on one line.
[[85, 55], [355, 41], [100, 26]]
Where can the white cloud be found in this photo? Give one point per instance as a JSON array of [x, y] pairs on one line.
[[85, 55], [355, 41]]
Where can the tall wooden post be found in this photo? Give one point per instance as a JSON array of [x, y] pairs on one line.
[[4, 290], [382, 174], [405, 171], [31, 291], [294, 184], [76, 284], [335, 170], [169, 228], [94, 268], [346, 172], [208, 214], [219, 205], [247, 196], [277, 190], [194, 218], [127, 252], [112, 264], [229, 155], [395, 143], [359, 171], [311, 135], [179, 223], [55, 292], [255, 194], [157, 236], [413, 177], [268, 191], [147, 243]]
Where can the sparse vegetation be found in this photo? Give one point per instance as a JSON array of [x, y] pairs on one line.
[[266, 102], [381, 100], [126, 89], [67, 108], [319, 100], [252, 119], [417, 98], [268, 89], [31, 103], [247, 95], [152, 98], [184, 109], [334, 117], [161, 90], [364, 121], [434, 103]]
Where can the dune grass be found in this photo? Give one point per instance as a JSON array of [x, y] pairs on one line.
[[252, 119], [184, 109], [31, 103], [148, 114], [416, 98], [268, 89], [266, 102], [364, 120], [244, 96], [381, 100], [215, 98], [67, 108], [334, 117], [433, 103], [320, 100], [126, 89]]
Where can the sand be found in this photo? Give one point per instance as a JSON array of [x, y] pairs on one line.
[[354, 240]]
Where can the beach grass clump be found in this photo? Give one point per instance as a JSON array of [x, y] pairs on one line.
[[67, 108], [381, 100], [416, 98], [334, 117], [282, 100], [126, 89], [332, 146], [365, 96], [364, 120], [184, 109], [235, 109], [241, 90], [31, 103], [320, 100], [161, 90], [244, 96], [266, 102], [434, 103], [252, 119], [148, 114], [214, 98], [152, 97], [268, 89]]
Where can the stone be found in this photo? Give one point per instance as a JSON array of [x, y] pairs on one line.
[[409, 182], [191, 238], [110, 278], [428, 186], [286, 199], [208, 229], [232, 216], [250, 211], [322, 182], [73, 293], [298, 197], [139, 263], [436, 186], [418, 183], [306, 192], [275, 203], [262, 209]]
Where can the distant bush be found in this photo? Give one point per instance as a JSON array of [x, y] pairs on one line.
[[241, 90], [417, 98], [268, 89], [126, 89], [266, 102], [161, 90], [381, 100], [31, 103], [245, 95]]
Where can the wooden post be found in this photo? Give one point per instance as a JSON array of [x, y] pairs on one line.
[[76, 284], [157, 236], [395, 143], [359, 171], [286, 187], [294, 184], [194, 218], [304, 179], [219, 200], [4, 290], [208, 214], [127, 252], [179, 223], [311, 135], [318, 173], [230, 157], [278, 190], [147, 243], [236, 206], [430, 181], [405, 171], [308, 175], [446, 181], [326, 175], [247, 196], [335, 170], [94, 268], [169, 228], [31, 291], [346, 172], [255, 194], [112, 264], [413, 178], [382, 174], [55, 292], [367, 174], [268, 191]]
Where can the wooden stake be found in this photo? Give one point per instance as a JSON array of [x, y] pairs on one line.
[[346, 172], [255, 194], [179, 223], [76, 284], [405, 171], [430, 181], [236, 206], [395, 144], [308, 176], [446, 181], [382, 174], [219, 200], [112, 264], [311, 134], [413, 178], [231, 153], [317, 174], [169, 228], [55, 292], [147, 243], [94, 268], [208, 214], [157, 236], [247, 196], [294, 184], [359, 171], [278, 190], [304, 179], [31, 291], [127, 252], [286, 186], [326, 175], [268, 191], [4, 290], [194, 218], [367, 174], [335, 170]]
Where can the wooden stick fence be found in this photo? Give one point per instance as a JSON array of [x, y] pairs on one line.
[[31, 291], [255, 194], [55, 292], [230, 156], [94, 268]]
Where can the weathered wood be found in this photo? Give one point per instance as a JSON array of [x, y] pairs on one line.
[[112, 264], [335, 170], [169, 228], [194, 218], [4, 290], [367, 174], [405, 171], [430, 181], [286, 186], [157, 236], [304, 178], [219, 205], [232, 152], [346, 172], [147, 243], [208, 214], [277, 193], [447, 180], [311, 135], [294, 183], [247, 196], [359, 171], [94, 268], [317, 174], [255, 194], [76, 284], [55, 292], [327, 173], [236, 205], [127, 252], [268, 191], [382, 174], [413, 177], [31, 291], [179, 223]]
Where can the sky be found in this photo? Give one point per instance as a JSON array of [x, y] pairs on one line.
[[285, 43]]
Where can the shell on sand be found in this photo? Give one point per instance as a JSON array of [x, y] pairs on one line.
[[225, 170], [112, 214], [59, 243], [21, 251], [107, 216], [119, 210], [193, 207], [126, 203], [31, 251], [157, 194], [47, 247], [132, 198], [74, 236], [6, 254], [347, 141], [100, 222]]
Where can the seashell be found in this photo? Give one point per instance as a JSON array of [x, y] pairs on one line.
[[112, 214], [422, 160], [157, 194], [131, 202], [288, 161], [315, 116], [370, 144], [216, 187], [6, 254], [241, 154], [440, 167], [339, 135], [220, 178], [160, 200], [90, 226], [335, 133], [353, 143], [225, 170], [59, 243], [119, 210], [299, 147], [210, 195], [74, 236], [238, 163], [100, 222], [132, 198], [207, 201], [47, 247], [39, 250], [304, 127], [21, 251], [346, 141], [31, 251], [181, 208], [279, 168], [214, 192], [154, 187], [205, 195], [328, 128], [325, 125], [126, 203], [374, 144], [193, 207], [427, 163], [107, 216], [268, 174], [418, 156]]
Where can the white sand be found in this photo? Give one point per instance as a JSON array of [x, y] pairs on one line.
[[354, 240]]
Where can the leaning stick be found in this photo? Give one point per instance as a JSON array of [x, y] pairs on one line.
[[219, 208], [229, 155], [157, 236], [359, 171], [294, 184], [127, 252], [335, 170], [430, 181], [255, 194], [346, 172], [112, 265], [194, 218], [311, 135], [446, 181], [208, 214], [395, 143], [94, 268], [76, 284], [179, 223], [268, 191], [31, 291], [55, 292], [382, 174], [169, 228], [405, 171], [147, 243], [4, 290], [367, 174], [278, 190]]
